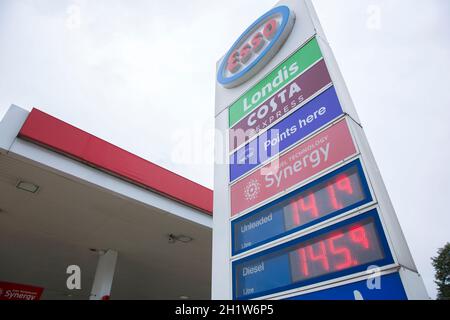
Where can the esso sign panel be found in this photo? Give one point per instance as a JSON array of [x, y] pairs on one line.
[[256, 47]]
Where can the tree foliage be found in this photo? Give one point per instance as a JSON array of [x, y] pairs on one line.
[[441, 264]]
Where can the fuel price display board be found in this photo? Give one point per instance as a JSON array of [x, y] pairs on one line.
[[340, 191], [341, 249], [300, 207]]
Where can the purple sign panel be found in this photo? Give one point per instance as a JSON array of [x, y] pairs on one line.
[[313, 115], [280, 104]]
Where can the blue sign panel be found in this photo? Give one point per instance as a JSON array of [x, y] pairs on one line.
[[312, 116], [252, 278], [347, 247], [257, 228], [388, 287], [339, 191]]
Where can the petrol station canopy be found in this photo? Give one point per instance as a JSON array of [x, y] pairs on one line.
[[67, 196]]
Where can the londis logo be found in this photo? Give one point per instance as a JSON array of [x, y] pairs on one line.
[[256, 47]]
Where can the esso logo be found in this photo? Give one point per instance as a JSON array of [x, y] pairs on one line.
[[256, 47]]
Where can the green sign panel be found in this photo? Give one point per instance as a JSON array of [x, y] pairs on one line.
[[280, 76]]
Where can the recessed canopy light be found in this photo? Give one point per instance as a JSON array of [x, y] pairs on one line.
[[183, 297], [27, 186], [99, 251], [181, 238]]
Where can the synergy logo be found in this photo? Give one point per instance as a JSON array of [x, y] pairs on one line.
[[256, 47], [252, 189]]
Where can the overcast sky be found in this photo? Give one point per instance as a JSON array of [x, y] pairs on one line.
[[141, 73]]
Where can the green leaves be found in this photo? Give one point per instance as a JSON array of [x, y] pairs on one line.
[[441, 264]]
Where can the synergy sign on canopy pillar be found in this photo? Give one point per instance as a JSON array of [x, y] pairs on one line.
[[300, 209]]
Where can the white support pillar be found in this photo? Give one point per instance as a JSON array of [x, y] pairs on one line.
[[101, 288]]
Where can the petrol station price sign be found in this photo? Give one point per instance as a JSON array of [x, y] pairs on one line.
[[337, 192], [300, 208], [341, 249]]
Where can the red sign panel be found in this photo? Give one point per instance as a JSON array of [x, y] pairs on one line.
[[15, 291], [307, 159]]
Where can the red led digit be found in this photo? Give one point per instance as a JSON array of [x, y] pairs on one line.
[[320, 256], [309, 205], [343, 183], [295, 213], [245, 53], [342, 251], [270, 29], [233, 64], [334, 201], [358, 235], [257, 42], [303, 262]]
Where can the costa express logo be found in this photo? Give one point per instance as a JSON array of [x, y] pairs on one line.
[[256, 47]]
